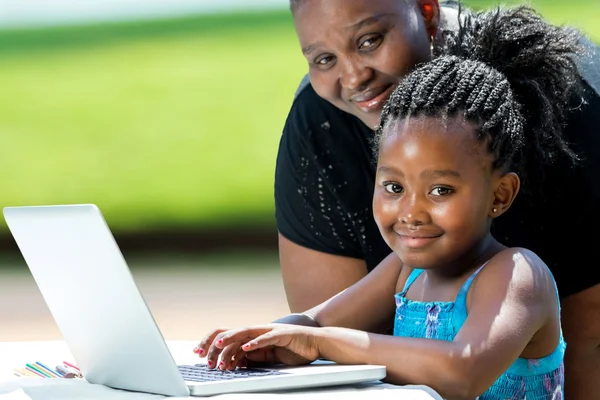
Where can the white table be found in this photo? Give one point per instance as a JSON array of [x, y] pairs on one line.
[[17, 354]]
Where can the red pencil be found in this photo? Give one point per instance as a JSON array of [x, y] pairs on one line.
[[68, 364]]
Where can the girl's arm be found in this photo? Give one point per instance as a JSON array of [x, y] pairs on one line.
[[367, 305], [512, 299]]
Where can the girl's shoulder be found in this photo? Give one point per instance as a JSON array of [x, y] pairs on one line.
[[520, 271]]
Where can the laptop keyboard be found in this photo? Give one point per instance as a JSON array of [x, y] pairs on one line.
[[201, 373]]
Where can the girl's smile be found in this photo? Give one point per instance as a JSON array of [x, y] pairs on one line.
[[412, 241]]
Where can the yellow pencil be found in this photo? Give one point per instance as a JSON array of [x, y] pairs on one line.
[[46, 369], [26, 372]]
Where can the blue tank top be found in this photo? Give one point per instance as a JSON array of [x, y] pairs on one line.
[[530, 379]]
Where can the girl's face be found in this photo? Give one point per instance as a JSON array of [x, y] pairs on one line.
[[358, 50], [434, 192]]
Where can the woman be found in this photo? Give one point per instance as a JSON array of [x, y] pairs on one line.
[[357, 52]]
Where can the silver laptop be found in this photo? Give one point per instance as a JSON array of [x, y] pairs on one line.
[[112, 335]]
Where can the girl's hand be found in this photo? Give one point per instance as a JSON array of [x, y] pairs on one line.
[[232, 353], [272, 344]]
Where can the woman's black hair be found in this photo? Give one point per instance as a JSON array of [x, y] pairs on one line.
[[509, 73]]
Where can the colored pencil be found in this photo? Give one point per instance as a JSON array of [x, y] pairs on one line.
[[68, 364], [33, 371], [40, 370], [25, 372], [48, 370]]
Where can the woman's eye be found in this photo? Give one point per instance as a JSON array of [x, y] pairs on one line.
[[324, 60], [393, 188], [441, 191], [370, 42]]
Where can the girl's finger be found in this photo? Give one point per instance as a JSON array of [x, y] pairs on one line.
[[261, 356], [240, 335], [202, 348], [237, 359], [268, 339], [227, 354], [243, 362], [213, 352]]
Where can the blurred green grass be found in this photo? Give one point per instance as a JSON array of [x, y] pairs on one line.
[[163, 124], [168, 123], [584, 15]]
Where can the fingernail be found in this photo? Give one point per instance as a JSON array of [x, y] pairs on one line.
[[210, 363], [200, 351], [246, 345], [220, 341]]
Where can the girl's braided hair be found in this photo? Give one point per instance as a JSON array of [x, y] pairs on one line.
[[509, 73]]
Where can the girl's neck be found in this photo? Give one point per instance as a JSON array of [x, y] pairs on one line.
[[468, 263]]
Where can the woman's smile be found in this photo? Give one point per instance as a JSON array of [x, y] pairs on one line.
[[373, 100]]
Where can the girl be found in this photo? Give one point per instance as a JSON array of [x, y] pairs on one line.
[[471, 318]]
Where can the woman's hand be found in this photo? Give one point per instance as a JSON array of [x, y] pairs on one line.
[[272, 344]]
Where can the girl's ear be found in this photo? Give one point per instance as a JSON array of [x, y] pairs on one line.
[[431, 14], [507, 188]]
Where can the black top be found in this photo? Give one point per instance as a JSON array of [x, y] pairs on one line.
[[325, 177]]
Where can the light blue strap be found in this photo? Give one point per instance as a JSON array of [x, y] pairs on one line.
[[460, 313], [411, 278]]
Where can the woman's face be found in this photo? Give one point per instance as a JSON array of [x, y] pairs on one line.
[[358, 50]]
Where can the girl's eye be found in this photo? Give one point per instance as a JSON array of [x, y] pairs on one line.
[[393, 188], [370, 43], [441, 191]]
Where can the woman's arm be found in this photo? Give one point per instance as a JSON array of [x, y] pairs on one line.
[[322, 202], [512, 299], [311, 277]]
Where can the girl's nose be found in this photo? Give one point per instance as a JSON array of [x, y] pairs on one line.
[[412, 212]]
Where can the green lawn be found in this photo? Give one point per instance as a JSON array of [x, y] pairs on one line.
[[167, 123], [162, 124]]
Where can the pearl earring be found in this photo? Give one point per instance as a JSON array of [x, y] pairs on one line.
[[431, 46], [494, 210]]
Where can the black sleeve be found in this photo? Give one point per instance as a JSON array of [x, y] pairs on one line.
[[307, 207], [573, 224], [560, 220], [589, 145]]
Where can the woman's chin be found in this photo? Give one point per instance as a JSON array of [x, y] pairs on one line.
[[371, 119]]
